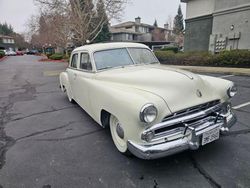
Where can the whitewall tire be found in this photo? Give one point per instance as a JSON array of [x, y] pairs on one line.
[[120, 143]]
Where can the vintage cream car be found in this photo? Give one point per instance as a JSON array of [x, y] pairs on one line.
[[152, 110]]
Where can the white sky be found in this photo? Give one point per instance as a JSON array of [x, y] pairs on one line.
[[17, 12], [149, 10]]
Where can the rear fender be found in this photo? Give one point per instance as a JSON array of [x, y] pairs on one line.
[[65, 84]]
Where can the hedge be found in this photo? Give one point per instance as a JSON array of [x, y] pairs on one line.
[[173, 49], [66, 57], [56, 56], [234, 58], [2, 54]]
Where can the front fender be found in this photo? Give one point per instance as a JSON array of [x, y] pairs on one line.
[[220, 86], [125, 103]]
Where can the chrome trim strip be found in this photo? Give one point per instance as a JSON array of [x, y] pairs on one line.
[[192, 109]]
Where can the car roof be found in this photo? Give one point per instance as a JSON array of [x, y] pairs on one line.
[[107, 46]]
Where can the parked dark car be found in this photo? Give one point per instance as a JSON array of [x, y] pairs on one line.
[[32, 52]]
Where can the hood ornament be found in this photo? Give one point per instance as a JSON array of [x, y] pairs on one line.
[[198, 93]]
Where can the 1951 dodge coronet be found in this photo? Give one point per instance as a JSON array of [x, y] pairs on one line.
[[152, 110]]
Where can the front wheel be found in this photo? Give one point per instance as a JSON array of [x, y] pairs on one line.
[[118, 136]]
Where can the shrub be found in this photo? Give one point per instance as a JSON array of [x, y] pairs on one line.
[[234, 58], [2, 54], [66, 57], [165, 56], [48, 55], [56, 56], [173, 49]]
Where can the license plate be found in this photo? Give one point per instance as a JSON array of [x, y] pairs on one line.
[[210, 136]]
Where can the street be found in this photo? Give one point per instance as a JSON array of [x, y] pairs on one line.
[[47, 142]]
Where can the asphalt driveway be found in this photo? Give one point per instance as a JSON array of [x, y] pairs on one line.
[[47, 142]]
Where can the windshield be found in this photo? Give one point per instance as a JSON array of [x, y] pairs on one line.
[[122, 57], [112, 58], [142, 56]]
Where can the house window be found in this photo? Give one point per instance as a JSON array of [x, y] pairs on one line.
[[143, 29], [129, 27], [136, 29], [8, 41], [129, 37], [5, 41]]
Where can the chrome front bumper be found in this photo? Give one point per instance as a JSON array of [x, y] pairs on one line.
[[191, 141]]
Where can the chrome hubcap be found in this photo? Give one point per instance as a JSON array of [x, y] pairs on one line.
[[120, 131]]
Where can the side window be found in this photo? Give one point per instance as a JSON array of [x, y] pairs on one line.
[[85, 62], [74, 61]]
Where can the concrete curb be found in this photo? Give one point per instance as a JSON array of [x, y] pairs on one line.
[[4, 58], [219, 70]]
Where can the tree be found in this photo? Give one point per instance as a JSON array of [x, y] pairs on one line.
[[6, 29], [20, 42], [49, 29], [104, 34], [80, 18], [155, 23], [178, 22], [83, 21]]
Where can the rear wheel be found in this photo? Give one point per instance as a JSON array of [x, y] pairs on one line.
[[118, 135]]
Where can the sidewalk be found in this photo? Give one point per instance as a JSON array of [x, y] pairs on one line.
[[222, 70]]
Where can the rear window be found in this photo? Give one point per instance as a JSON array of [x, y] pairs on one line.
[[74, 61]]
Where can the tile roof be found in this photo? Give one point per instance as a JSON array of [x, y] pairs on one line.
[[129, 23]]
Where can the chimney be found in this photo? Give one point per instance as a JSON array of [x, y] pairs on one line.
[[138, 20]]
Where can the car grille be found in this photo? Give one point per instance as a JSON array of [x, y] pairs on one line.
[[180, 127], [192, 110]]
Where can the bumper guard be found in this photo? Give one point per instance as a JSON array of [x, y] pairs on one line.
[[192, 142]]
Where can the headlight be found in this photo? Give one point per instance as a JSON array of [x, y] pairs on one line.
[[148, 113], [232, 91]]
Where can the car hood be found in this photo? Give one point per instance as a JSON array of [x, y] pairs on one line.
[[179, 89]]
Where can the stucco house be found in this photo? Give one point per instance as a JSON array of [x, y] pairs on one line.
[[217, 25], [6, 42], [139, 32]]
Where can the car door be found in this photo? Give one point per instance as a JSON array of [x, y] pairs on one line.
[[72, 73], [83, 81]]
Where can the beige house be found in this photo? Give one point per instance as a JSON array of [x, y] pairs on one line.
[[139, 32], [6, 42]]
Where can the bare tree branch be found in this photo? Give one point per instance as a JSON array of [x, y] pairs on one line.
[[76, 20]]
